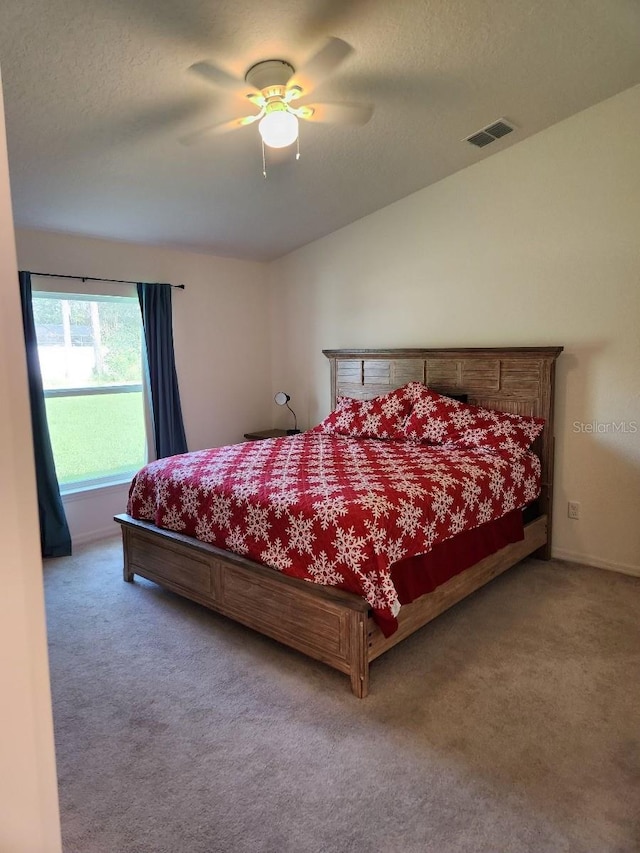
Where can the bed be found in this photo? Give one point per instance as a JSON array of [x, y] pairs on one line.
[[327, 623]]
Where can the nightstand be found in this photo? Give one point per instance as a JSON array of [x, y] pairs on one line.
[[265, 433]]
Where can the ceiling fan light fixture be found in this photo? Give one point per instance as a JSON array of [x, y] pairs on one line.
[[274, 87], [278, 129]]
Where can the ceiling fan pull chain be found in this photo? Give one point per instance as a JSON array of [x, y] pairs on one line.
[[298, 148], [264, 163]]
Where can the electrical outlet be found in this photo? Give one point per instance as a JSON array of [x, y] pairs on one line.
[[573, 509]]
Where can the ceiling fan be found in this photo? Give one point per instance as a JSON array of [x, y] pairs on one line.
[[274, 87]]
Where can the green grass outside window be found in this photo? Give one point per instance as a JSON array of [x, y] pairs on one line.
[[97, 436]]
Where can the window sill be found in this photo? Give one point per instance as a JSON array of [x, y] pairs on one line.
[[77, 493]]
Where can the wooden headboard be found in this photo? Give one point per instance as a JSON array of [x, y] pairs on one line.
[[508, 379]]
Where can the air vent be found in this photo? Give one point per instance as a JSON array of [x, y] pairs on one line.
[[481, 139], [499, 129], [490, 133]]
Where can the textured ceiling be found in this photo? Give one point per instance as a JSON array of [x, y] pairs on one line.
[[98, 93]]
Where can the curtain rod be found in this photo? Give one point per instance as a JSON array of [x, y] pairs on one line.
[[91, 278]]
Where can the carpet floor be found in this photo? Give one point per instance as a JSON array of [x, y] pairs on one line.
[[509, 724]]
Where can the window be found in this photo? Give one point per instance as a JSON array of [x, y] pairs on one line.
[[90, 351]]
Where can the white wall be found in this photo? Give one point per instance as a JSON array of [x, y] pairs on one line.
[[29, 821], [539, 244], [221, 334]]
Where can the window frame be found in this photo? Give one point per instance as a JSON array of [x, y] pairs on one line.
[[98, 292]]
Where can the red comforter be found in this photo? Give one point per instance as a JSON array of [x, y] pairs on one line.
[[330, 509]]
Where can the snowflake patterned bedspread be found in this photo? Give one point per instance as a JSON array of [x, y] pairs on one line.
[[331, 509]]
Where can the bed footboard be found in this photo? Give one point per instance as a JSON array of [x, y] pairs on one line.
[[323, 623]]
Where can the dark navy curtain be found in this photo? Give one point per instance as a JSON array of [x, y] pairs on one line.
[[55, 539], [168, 428]]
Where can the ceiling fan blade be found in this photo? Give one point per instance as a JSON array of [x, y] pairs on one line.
[[323, 63], [219, 77], [336, 113], [217, 129]]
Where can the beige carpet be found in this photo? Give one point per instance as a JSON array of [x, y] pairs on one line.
[[510, 724]]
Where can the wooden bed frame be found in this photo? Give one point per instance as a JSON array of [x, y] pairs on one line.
[[325, 623]]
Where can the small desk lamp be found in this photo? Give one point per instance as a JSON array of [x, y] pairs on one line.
[[282, 399]]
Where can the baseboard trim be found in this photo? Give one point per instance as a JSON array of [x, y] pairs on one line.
[[596, 562]]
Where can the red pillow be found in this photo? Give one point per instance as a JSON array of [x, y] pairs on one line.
[[382, 417], [440, 420]]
